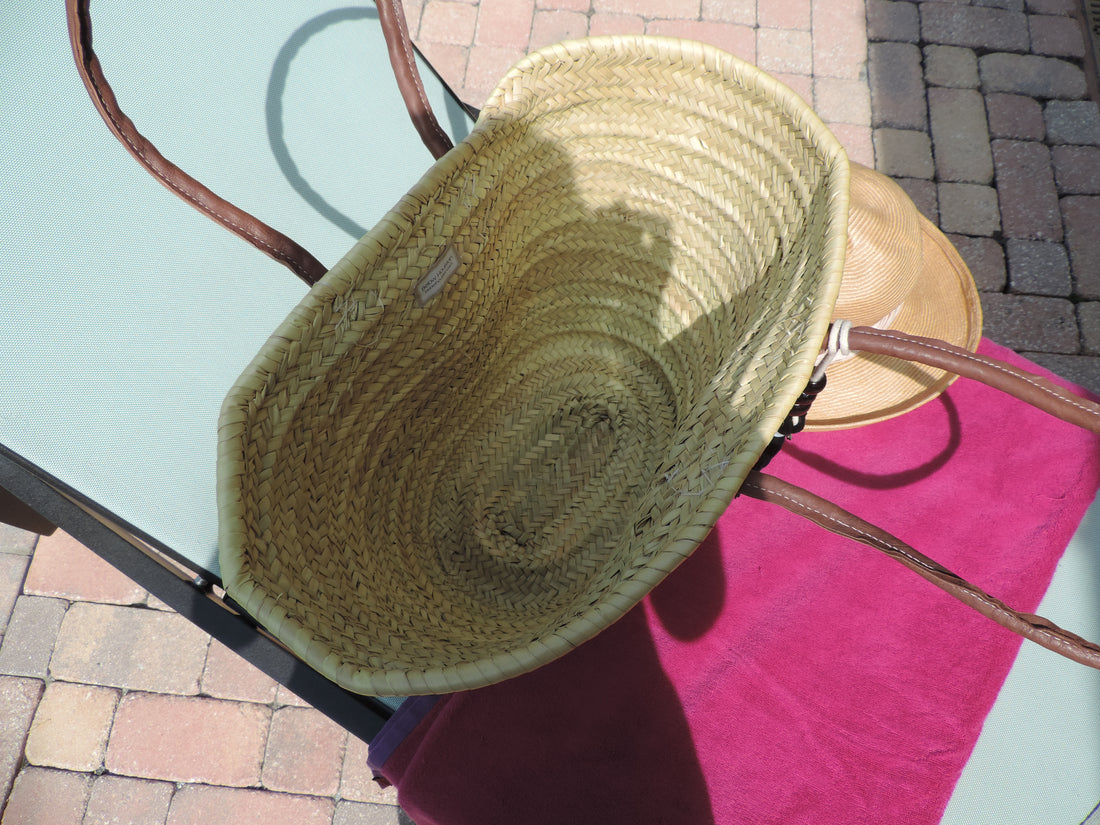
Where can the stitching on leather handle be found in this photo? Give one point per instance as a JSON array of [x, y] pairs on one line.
[[1049, 391], [302, 263], [1056, 638], [406, 40]]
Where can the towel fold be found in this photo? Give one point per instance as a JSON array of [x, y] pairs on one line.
[[782, 674]]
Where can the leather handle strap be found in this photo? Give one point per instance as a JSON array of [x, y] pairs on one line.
[[391, 14], [837, 520], [268, 240], [1032, 389], [1029, 388], [236, 220]]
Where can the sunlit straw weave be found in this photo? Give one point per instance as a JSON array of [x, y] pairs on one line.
[[433, 480]]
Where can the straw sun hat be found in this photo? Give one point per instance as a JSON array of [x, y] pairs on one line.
[[528, 393], [900, 273]]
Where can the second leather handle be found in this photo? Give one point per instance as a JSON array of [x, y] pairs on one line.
[[837, 520], [1031, 389], [391, 14], [246, 226], [266, 239]]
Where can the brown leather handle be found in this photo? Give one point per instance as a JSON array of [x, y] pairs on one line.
[[391, 15], [268, 240], [837, 520], [1029, 388], [236, 220]]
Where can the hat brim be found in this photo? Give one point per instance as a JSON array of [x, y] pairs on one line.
[[944, 304]]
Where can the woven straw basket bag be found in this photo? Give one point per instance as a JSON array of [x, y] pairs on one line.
[[529, 392]]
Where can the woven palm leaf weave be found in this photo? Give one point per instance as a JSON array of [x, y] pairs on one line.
[[528, 393]]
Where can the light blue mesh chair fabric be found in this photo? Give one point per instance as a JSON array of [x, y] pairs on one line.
[[125, 315], [1037, 761]]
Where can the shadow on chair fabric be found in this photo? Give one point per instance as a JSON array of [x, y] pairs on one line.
[[311, 35]]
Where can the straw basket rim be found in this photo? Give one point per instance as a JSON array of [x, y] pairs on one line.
[[251, 392]]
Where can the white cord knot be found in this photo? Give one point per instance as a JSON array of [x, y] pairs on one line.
[[836, 346]]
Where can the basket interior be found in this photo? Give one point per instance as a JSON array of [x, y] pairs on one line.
[[474, 482]]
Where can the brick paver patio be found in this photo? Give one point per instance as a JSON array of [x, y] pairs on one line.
[[113, 709]]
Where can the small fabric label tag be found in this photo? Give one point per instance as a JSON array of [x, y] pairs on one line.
[[432, 283]]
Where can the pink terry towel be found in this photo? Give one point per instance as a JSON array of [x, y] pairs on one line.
[[783, 674]]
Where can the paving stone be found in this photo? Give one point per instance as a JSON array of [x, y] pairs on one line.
[[1015, 116], [891, 20], [1062, 7], [47, 797], [903, 153], [684, 9], [735, 39], [485, 68], [1032, 75], [285, 696], [64, 568], [924, 197], [356, 780], [564, 5], [951, 66], [1038, 268], [1008, 5], [1077, 169], [778, 14], [205, 805], [985, 258], [745, 11], [801, 85], [897, 90], [229, 676], [554, 25], [29, 640], [121, 800], [783, 50], [1025, 183], [154, 603], [1056, 36], [18, 700], [974, 26], [856, 140], [413, 10], [14, 540], [840, 38], [600, 24], [1083, 370], [129, 647], [361, 813], [1028, 322], [188, 739], [1082, 217], [842, 101], [305, 753], [968, 209], [13, 568], [455, 23], [1088, 322], [960, 135], [449, 61], [71, 727], [1073, 121]]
